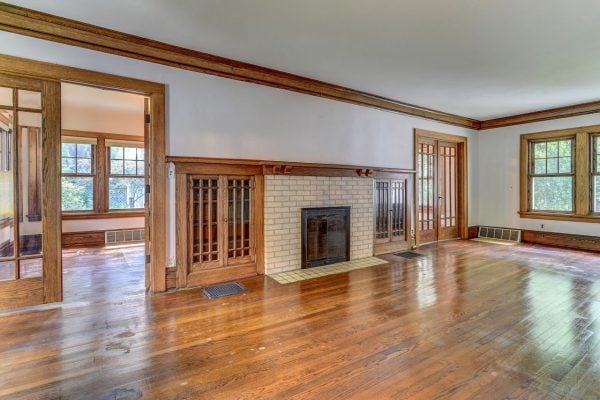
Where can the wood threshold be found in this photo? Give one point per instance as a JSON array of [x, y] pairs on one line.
[[62, 30]]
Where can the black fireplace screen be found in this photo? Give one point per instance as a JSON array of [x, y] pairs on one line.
[[325, 236]]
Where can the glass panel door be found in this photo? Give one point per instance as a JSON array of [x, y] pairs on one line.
[[239, 220], [205, 230], [30, 268]]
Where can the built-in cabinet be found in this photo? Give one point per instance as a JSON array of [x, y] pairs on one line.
[[219, 225], [222, 225], [391, 214]]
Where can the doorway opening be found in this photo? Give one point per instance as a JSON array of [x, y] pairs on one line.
[[104, 168], [441, 195]]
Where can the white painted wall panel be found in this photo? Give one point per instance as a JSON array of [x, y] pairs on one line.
[[498, 186], [217, 117]]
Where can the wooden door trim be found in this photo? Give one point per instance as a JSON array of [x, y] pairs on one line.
[[21, 67], [462, 193]]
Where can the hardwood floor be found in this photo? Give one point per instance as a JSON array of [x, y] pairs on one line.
[[469, 320]]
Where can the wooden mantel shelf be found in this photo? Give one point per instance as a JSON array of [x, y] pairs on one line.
[[265, 167]]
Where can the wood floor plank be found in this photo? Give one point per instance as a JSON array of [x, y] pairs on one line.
[[469, 320]]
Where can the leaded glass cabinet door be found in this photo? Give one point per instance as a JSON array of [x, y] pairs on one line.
[[30, 258], [205, 227], [221, 221], [390, 210], [239, 217]]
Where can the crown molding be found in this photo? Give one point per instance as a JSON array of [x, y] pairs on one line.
[[62, 30], [544, 115]]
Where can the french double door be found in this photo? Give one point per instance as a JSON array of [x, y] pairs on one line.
[[30, 231], [437, 190], [391, 214], [221, 228]]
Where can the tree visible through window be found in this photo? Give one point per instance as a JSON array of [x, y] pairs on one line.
[[126, 178], [552, 175], [77, 165]]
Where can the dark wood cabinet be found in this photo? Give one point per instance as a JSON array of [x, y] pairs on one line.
[[391, 214]]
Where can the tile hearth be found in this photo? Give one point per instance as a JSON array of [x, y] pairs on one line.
[[315, 272]]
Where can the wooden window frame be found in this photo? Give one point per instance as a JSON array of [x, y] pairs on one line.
[[595, 169], [582, 189], [101, 208], [92, 174], [110, 174]]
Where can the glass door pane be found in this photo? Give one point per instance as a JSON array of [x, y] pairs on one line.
[[239, 217], [7, 194], [205, 229], [381, 209]]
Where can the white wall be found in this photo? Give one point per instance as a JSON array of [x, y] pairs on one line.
[[217, 117], [498, 186], [85, 108]]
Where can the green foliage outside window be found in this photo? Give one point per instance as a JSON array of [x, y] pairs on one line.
[[552, 175]]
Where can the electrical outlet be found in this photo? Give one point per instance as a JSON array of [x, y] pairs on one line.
[[171, 261]]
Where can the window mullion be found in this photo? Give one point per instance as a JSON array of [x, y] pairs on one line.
[[101, 167], [582, 176]]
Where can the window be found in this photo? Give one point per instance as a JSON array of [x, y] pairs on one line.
[[596, 173], [552, 175], [560, 175], [78, 174], [126, 177]]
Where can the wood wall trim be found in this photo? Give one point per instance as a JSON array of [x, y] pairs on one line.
[[560, 217], [104, 135], [88, 238], [108, 215], [37, 24], [62, 30], [544, 115], [564, 240], [208, 165]]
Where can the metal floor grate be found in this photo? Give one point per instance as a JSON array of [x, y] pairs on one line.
[[409, 254], [226, 289]]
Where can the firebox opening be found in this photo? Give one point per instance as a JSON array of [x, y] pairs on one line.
[[325, 236]]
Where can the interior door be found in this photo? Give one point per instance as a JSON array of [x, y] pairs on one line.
[[222, 227], [437, 190], [30, 230]]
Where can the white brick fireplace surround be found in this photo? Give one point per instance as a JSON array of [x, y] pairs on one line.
[[286, 195]]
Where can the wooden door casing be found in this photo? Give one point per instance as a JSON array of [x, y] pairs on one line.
[[441, 179]]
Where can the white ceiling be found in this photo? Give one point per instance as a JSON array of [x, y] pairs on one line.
[[481, 59]]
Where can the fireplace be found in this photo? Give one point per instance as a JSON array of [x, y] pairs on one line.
[[325, 236]]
